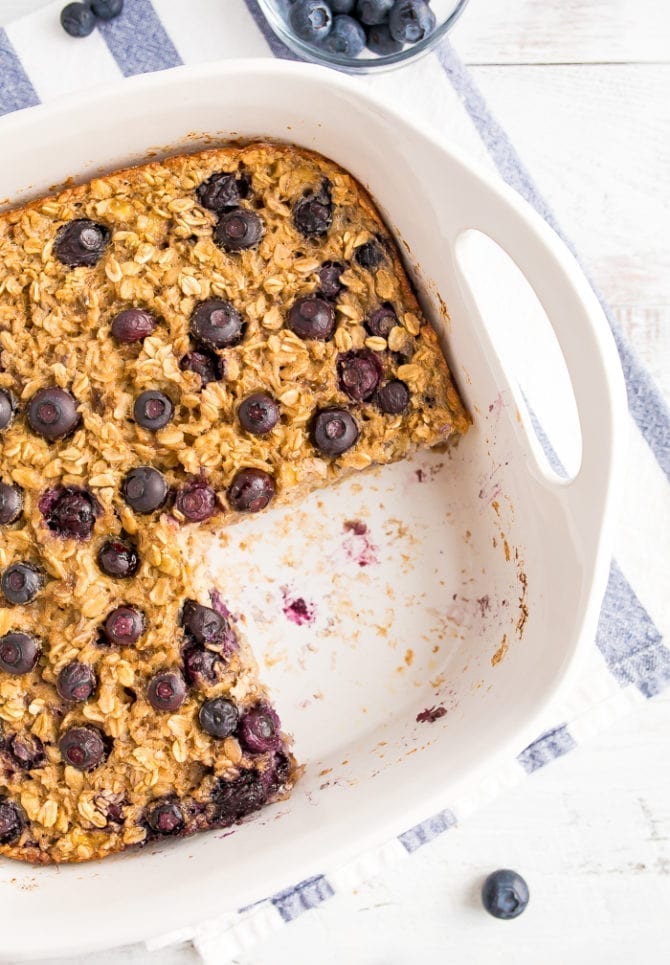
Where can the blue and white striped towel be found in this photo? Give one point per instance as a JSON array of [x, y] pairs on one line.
[[629, 662]]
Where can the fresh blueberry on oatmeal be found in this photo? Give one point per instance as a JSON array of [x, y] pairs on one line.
[[53, 414], [19, 652]]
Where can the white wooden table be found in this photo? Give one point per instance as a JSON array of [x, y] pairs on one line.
[[583, 87]]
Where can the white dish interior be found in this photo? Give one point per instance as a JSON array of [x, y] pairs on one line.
[[479, 573]]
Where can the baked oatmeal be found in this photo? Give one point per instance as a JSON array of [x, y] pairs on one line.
[[182, 344]]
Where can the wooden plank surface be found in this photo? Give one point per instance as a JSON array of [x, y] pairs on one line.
[[569, 31], [597, 141]]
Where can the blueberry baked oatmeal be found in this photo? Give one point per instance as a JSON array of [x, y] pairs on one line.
[[181, 344]]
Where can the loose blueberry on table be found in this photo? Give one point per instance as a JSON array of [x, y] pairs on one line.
[[79, 19], [505, 894]]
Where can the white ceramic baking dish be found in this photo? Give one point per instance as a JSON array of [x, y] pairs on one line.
[[480, 574]]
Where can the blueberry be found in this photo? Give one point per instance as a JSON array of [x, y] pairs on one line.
[[238, 229], [222, 191], [7, 407], [27, 750], [144, 489], [124, 626], [166, 691], [381, 42], [233, 799], [132, 325], [77, 682], [334, 431], [369, 255], [196, 501], [69, 512], [201, 667], [251, 490], [107, 9], [153, 410], [312, 317], [280, 773], [11, 503], [411, 21], [381, 321], [313, 213], [505, 894], [217, 324], [393, 398], [52, 413], [83, 748], [218, 717], [77, 19], [81, 242], [166, 817], [258, 413], [347, 38], [259, 730], [206, 626], [118, 558], [359, 374], [19, 653], [329, 279], [12, 821], [207, 365], [373, 12], [311, 20], [21, 582], [342, 6]]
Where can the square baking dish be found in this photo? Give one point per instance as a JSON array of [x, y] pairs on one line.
[[466, 582]]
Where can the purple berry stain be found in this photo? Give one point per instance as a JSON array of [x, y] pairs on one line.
[[358, 545], [298, 610], [431, 714]]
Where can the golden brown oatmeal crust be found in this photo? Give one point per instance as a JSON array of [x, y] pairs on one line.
[[55, 331]]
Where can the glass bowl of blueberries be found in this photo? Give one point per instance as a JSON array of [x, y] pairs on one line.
[[361, 35]]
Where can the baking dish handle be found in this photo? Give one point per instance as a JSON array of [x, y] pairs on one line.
[[583, 335]]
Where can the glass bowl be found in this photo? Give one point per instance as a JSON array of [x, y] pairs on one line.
[[276, 13]]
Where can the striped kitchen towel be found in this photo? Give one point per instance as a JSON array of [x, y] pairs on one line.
[[629, 661]]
